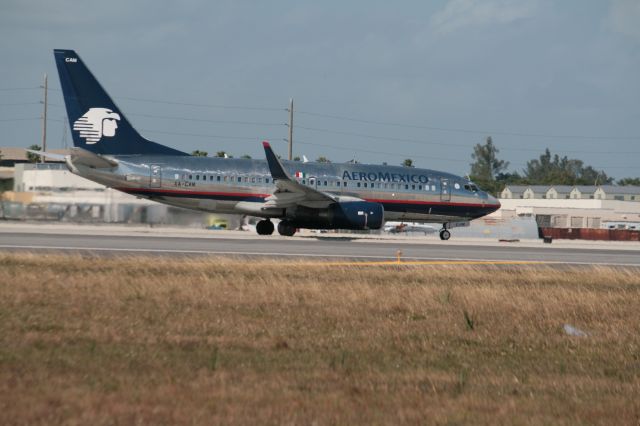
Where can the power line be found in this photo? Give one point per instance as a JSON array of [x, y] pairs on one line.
[[374, 122], [447, 144], [21, 103], [202, 120], [199, 135], [7, 89], [386, 153], [20, 119], [460, 130], [241, 107]]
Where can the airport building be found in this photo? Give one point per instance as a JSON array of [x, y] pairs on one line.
[[576, 192], [571, 207], [49, 191]]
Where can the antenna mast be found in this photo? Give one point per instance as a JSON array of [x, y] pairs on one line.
[[44, 120], [290, 129]]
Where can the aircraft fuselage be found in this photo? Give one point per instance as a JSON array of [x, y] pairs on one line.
[[228, 185]]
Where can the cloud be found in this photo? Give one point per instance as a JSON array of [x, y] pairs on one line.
[[624, 17], [459, 14]]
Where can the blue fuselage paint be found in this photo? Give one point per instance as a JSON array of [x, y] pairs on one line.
[[225, 185]]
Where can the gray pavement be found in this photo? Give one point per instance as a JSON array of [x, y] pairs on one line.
[[107, 240]]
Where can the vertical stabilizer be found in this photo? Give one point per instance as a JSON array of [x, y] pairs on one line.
[[97, 124]]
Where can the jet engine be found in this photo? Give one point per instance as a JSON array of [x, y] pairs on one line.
[[357, 215]]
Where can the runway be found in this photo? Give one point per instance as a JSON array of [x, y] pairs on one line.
[[103, 241]]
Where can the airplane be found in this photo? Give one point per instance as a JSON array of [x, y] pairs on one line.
[[108, 150]]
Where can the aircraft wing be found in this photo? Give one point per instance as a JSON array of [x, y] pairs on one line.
[[288, 191]]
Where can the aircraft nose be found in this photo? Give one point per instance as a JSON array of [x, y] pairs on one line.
[[493, 201]]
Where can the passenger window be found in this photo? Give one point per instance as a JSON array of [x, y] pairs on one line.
[[218, 178], [413, 187], [239, 179], [253, 180], [358, 184], [325, 183], [190, 177], [266, 180], [259, 180], [406, 187], [197, 177], [420, 187]]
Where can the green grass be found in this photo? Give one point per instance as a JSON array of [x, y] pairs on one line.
[[220, 340]]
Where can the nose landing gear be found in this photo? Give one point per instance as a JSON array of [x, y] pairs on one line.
[[444, 233]]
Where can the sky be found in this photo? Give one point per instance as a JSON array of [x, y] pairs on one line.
[[374, 81]]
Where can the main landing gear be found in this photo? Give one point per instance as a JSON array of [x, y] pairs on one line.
[[285, 229], [264, 227], [444, 233]]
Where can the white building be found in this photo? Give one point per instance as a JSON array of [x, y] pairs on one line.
[[559, 191], [619, 193], [535, 191], [513, 191], [583, 192]]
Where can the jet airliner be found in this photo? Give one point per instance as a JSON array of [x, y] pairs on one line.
[[108, 150]]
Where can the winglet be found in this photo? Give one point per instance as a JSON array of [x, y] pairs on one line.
[[275, 166]]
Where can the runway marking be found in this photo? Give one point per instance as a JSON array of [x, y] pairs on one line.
[[387, 259]]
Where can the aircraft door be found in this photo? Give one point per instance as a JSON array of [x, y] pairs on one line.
[[445, 190], [155, 177], [312, 182]]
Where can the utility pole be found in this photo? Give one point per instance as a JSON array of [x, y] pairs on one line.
[[44, 121], [290, 129]]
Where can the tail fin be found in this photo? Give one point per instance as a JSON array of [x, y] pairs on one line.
[[97, 123]]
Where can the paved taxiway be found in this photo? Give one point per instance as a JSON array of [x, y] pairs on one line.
[[105, 240]]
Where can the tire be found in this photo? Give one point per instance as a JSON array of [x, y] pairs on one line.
[[445, 235], [264, 227], [285, 229]]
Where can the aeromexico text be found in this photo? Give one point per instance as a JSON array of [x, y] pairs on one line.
[[385, 177]]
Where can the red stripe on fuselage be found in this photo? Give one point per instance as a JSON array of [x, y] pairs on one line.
[[431, 203], [247, 194], [179, 192]]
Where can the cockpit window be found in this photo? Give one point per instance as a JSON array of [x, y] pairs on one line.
[[471, 187]]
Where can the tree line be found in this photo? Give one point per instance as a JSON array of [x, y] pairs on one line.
[[491, 174]]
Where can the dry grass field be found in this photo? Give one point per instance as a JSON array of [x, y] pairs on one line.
[[235, 341]]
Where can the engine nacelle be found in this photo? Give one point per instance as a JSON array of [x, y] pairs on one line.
[[357, 215]]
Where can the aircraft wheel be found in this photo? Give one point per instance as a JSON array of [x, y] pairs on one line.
[[445, 235], [264, 227], [284, 228]]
